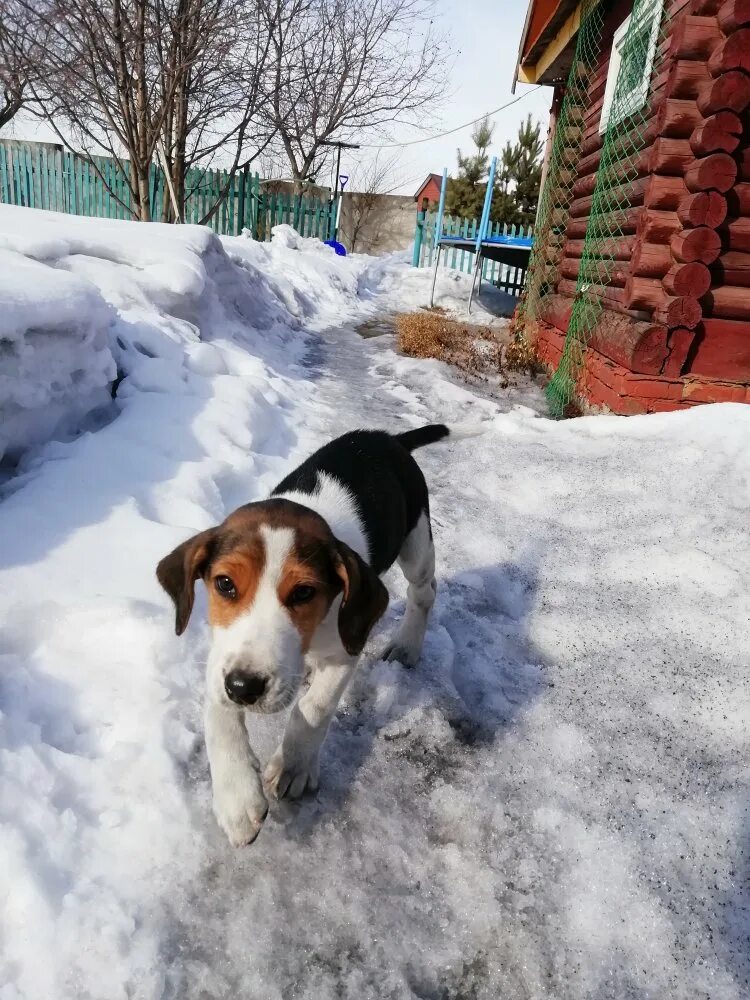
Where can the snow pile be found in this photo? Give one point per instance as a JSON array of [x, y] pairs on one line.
[[552, 804], [55, 360], [76, 296]]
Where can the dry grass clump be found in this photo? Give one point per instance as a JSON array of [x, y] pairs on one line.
[[520, 356], [479, 350], [473, 348]]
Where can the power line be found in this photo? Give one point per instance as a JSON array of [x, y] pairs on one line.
[[441, 135]]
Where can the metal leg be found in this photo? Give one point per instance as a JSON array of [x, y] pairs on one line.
[[434, 275], [477, 268]]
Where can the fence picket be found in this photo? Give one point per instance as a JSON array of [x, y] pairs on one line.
[[4, 190], [47, 176]]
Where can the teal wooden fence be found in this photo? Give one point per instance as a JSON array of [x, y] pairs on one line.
[[44, 175], [509, 279]]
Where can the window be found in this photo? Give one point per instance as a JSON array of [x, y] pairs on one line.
[[630, 64]]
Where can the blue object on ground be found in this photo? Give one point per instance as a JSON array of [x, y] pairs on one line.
[[338, 247]]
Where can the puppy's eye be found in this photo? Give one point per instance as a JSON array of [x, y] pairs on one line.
[[225, 586], [301, 594]]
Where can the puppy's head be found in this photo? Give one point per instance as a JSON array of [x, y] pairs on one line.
[[272, 571]]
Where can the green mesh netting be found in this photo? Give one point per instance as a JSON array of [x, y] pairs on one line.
[[557, 194], [626, 109]]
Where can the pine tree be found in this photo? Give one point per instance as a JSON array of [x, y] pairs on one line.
[[465, 194], [517, 177], [527, 170]]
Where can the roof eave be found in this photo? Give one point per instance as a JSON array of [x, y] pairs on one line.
[[549, 57]]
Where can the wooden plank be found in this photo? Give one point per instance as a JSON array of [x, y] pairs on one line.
[[4, 186], [34, 200], [42, 170]]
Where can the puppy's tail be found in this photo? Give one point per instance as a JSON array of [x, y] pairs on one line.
[[421, 436]]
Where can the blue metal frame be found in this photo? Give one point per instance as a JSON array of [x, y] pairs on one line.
[[439, 230], [484, 224]]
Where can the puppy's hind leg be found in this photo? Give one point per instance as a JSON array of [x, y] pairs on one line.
[[417, 562]]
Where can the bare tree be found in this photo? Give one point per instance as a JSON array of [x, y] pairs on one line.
[[362, 216], [342, 67], [218, 52], [21, 62], [139, 78]]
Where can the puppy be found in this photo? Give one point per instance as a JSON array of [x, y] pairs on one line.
[[293, 582]]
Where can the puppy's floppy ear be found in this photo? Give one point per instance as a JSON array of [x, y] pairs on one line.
[[178, 571], [365, 598]]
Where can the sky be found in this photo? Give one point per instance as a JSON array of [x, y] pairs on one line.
[[483, 36]]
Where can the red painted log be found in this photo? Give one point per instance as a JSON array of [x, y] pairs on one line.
[[732, 53], [626, 194], [677, 119], [683, 311], [702, 244], [618, 248], [664, 192], [656, 227], [728, 92], [592, 141], [644, 293], [584, 186], [637, 346], [611, 297], [728, 302], [738, 200], [743, 158], [667, 156], [607, 272], [556, 310], [715, 172], [687, 279], [679, 344], [625, 221], [723, 351], [704, 208], [650, 260], [733, 14], [732, 268], [718, 134], [694, 37], [736, 235], [705, 7], [685, 79]]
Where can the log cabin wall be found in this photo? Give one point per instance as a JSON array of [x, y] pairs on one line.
[[677, 302]]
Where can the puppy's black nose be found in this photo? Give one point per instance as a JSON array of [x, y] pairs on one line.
[[244, 689]]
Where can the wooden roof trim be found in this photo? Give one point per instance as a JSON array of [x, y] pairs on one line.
[[536, 55]]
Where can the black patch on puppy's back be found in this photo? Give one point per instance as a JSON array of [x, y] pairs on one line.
[[386, 483]]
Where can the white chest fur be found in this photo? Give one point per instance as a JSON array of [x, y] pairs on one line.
[[338, 508]]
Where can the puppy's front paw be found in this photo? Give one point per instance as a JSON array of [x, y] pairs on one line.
[[402, 653], [289, 774], [240, 807]]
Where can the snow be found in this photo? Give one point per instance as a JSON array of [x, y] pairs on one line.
[[553, 804]]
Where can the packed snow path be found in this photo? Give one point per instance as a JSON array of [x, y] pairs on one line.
[[553, 804]]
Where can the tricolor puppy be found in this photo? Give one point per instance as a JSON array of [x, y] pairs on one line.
[[293, 584]]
